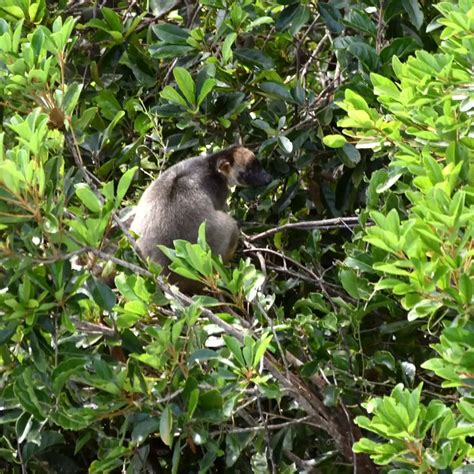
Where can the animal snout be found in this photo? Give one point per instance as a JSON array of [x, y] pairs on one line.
[[266, 178]]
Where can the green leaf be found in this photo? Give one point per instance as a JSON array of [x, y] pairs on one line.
[[350, 280], [390, 181], [262, 346], [467, 410], [184, 271], [25, 392], [227, 47], [392, 222], [124, 184], [359, 20], [112, 18], [101, 293], [186, 84], [384, 87], [166, 426], [349, 154], [88, 197], [170, 51], [332, 17], [174, 96], [285, 144], [201, 240], [254, 58], [385, 358], [423, 308], [206, 88], [235, 347], [366, 55], [176, 458], [211, 400], [414, 11], [108, 131], [63, 372], [11, 176], [14, 11], [356, 100], [278, 90], [112, 460], [399, 48], [286, 16], [465, 288], [144, 428], [263, 20], [37, 42], [171, 33], [193, 402], [461, 431], [71, 98], [364, 445]]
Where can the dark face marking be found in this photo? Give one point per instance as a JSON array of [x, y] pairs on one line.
[[254, 175]]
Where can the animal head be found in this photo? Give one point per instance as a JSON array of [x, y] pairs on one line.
[[240, 167]]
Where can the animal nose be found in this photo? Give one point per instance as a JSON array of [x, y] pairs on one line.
[[266, 178]]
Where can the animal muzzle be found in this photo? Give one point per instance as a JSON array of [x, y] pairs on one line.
[[264, 178], [255, 177]]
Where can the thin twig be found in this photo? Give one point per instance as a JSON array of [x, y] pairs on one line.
[[256, 429], [285, 258], [302, 465], [169, 397], [275, 337], [92, 328], [193, 17], [316, 51], [268, 444], [292, 273], [129, 266], [380, 28], [300, 42], [337, 222]]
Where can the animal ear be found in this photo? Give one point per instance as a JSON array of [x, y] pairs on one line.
[[224, 166]]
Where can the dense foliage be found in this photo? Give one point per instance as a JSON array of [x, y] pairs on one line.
[[327, 336]]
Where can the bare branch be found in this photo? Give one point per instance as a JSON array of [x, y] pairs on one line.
[[92, 328], [314, 54], [380, 28], [256, 429], [335, 223]]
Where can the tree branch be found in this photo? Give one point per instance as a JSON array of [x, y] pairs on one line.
[[338, 222]]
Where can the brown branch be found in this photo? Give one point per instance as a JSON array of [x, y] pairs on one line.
[[380, 28], [300, 42], [285, 258], [302, 465], [335, 223], [92, 328], [255, 429], [316, 51]]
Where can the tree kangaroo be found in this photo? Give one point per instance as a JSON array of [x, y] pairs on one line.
[[189, 193]]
